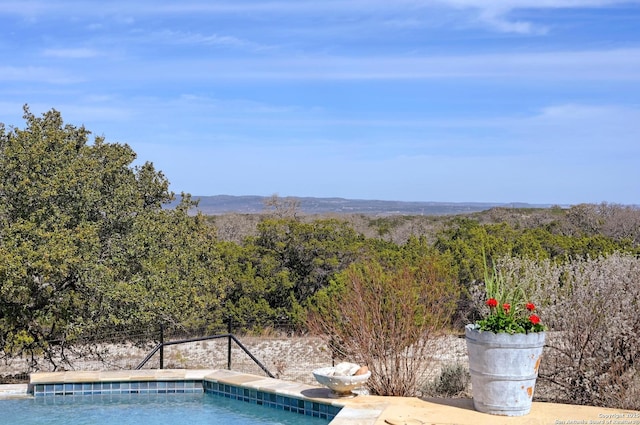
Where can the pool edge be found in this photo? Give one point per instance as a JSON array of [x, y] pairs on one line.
[[349, 413]]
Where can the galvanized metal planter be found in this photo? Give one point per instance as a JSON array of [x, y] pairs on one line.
[[504, 369]]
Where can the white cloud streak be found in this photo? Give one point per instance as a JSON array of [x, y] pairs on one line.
[[71, 53], [39, 74], [190, 38], [596, 65], [618, 64], [489, 10], [495, 13]]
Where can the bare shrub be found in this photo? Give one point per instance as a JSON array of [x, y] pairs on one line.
[[235, 227], [453, 381], [287, 207], [385, 319], [621, 222], [591, 308], [281, 367], [596, 310], [618, 222]]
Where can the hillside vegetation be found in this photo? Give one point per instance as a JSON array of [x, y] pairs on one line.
[[87, 247]]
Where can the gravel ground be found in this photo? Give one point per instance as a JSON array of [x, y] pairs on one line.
[[288, 358]]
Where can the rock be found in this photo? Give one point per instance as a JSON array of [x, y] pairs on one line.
[[362, 371], [345, 369]]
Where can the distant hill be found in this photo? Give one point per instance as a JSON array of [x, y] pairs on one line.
[[223, 204]]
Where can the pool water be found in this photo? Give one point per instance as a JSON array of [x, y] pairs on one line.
[[141, 409]]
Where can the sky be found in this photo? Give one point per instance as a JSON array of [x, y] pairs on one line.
[[532, 101]]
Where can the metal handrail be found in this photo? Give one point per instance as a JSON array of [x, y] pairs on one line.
[[230, 337]]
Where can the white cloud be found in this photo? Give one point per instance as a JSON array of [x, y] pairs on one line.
[[495, 13], [35, 74], [27, 8], [603, 130], [498, 22], [72, 53], [179, 37], [618, 65], [507, 5]]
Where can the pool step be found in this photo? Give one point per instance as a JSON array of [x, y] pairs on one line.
[[13, 390]]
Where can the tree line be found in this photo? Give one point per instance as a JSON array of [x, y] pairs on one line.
[[89, 247]]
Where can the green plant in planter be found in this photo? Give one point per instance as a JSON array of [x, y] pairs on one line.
[[509, 310]]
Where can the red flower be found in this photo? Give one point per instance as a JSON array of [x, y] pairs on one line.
[[492, 302], [531, 307], [506, 307], [534, 319]]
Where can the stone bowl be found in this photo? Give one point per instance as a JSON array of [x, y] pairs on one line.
[[340, 386]]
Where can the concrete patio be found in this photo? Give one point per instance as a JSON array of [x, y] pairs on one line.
[[360, 410]]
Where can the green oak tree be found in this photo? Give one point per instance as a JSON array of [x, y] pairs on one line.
[[85, 244], [273, 274]]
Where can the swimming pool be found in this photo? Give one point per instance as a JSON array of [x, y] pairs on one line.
[[270, 397], [140, 409]]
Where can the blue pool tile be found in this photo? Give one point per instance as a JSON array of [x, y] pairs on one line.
[[102, 388], [333, 411], [248, 395]]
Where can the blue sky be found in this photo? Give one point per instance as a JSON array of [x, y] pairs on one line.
[[443, 100]]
